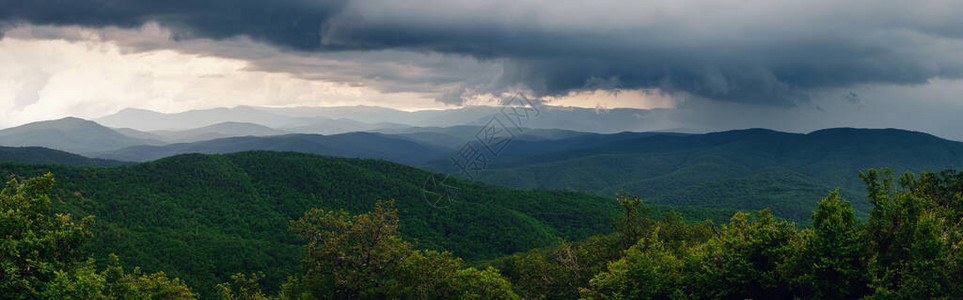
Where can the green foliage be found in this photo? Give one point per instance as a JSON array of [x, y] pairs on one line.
[[914, 234], [349, 256], [40, 254], [40, 155], [633, 220], [909, 248], [248, 288], [137, 285], [566, 271], [559, 272], [471, 283], [424, 274], [363, 256], [746, 170], [647, 270], [749, 258], [833, 252], [204, 217]]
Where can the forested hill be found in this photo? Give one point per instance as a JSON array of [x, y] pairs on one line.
[[743, 169], [204, 217], [355, 144], [41, 155]]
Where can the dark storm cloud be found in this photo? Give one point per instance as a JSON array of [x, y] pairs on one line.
[[292, 23], [774, 52], [764, 56]]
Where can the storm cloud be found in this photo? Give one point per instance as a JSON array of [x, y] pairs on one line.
[[293, 24], [761, 52]]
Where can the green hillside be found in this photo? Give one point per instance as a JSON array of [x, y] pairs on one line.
[[744, 169], [354, 145], [204, 217], [40, 155], [907, 248]]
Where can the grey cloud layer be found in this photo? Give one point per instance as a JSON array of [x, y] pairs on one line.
[[774, 52], [294, 24]]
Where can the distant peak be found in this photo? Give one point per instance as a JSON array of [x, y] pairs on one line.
[[749, 131], [877, 132], [245, 108], [235, 124], [851, 130], [136, 111], [74, 119], [67, 120]]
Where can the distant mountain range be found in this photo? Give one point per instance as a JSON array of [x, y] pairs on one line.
[[216, 131], [743, 169], [354, 145], [332, 120], [71, 135]]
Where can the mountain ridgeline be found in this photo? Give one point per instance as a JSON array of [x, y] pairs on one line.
[[70, 134], [734, 170], [333, 120], [45, 156], [354, 145], [744, 169]]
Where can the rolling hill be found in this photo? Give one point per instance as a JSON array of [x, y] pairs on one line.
[[330, 120], [146, 120], [743, 169], [203, 217], [69, 134], [215, 131], [413, 146], [40, 155], [354, 145]]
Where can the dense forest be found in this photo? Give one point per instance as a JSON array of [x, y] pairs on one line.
[[202, 218], [907, 247], [748, 169]]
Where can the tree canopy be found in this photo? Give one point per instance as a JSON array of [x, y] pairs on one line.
[[909, 247], [41, 257]]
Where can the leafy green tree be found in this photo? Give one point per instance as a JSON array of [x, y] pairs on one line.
[[428, 274], [363, 256], [247, 287], [633, 220], [424, 275], [575, 269], [833, 252], [137, 285], [559, 272], [349, 256], [472, 283], [647, 271], [40, 254], [751, 258], [914, 234]]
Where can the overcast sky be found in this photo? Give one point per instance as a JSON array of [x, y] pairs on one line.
[[788, 65]]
